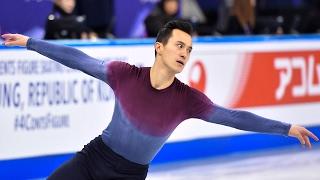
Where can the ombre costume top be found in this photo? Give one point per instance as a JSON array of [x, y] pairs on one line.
[[144, 117]]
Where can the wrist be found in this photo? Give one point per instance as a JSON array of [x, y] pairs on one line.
[[28, 44]]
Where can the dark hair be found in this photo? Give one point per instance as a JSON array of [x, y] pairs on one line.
[[165, 32]]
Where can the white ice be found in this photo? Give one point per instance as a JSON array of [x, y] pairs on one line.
[[284, 164]]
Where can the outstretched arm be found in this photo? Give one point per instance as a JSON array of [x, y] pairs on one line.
[[251, 122], [65, 55], [201, 107]]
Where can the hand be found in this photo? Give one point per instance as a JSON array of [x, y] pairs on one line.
[[302, 134], [15, 40]]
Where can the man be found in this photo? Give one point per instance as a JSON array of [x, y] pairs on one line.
[[149, 105]]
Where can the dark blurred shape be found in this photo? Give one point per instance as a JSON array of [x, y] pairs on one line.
[[99, 16], [62, 23], [164, 11], [267, 17], [279, 17], [193, 12], [311, 20], [236, 17]]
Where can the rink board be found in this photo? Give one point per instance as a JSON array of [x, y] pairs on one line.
[[48, 111]]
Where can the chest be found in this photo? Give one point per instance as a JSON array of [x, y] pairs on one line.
[[156, 112]]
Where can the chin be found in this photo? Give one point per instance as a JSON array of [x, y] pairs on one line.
[[178, 70]]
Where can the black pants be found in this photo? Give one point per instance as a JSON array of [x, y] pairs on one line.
[[97, 161]]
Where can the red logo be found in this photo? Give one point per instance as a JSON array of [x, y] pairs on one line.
[[281, 78], [197, 70]]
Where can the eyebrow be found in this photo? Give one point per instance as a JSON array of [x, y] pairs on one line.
[[190, 47]]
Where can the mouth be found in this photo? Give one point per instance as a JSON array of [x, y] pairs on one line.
[[180, 62]]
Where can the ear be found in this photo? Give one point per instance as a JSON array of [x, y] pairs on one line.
[[158, 47]]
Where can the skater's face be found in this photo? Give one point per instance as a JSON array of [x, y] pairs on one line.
[[176, 52]]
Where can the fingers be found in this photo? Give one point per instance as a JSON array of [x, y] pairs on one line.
[[4, 36], [7, 39], [7, 43], [312, 135], [308, 144], [14, 40], [301, 139], [304, 135], [8, 36]]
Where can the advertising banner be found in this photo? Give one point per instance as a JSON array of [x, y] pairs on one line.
[[47, 108]]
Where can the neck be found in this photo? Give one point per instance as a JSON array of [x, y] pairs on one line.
[[160, 76]]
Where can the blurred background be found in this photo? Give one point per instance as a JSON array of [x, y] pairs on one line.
[[257, 55]]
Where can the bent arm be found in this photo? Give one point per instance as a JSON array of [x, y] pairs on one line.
[[70, 57], [247, 121]]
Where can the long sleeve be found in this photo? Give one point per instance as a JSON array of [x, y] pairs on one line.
[[203, 108], [70, 57], [247, 121]]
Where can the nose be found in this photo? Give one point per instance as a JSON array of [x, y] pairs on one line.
[[184, 54]]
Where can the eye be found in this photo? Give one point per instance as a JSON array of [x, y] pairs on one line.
[[180, 46]]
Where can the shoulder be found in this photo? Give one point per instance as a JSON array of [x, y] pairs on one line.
[[191, 92], [198, 104], [118, 64], [118, 73], [121, 66], [180, 86], [122, 70], [185, 88], [197, 96]]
